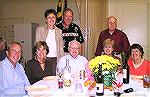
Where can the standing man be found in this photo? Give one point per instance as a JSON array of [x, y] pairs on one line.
[[13, 80], [70, 31], [121, 40]]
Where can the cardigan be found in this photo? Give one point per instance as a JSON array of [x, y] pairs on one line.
[[42, 33]]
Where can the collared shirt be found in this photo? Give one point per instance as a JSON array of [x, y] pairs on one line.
[[121, 41], [14, 80], [76, 64], [71, 33]]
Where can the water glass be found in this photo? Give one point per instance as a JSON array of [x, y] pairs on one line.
[[117, 86], [146, 81], [78, 87], [59, 72]]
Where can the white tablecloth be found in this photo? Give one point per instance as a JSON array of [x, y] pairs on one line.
[[53, 90]]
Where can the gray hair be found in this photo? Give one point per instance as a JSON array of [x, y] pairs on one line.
[[111, 17], [74, 41], [12, 43]]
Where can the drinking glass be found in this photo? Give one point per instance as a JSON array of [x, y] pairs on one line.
[[78, 87], [59, 72], [146, 81], [117, 85]]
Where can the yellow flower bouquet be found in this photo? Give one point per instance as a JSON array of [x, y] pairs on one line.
[[109, 68], [108, 63]]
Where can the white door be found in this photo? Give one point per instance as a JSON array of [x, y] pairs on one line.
[[23, 34], [132, 19]]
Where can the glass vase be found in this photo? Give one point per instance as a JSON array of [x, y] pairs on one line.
[[108, 78]]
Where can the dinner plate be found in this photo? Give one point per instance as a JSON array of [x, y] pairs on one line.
[[37, 88], [134, 94], [134, 77], [50, 78]]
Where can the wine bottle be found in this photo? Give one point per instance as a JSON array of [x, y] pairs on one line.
[[99, 82], [67, 74], [125, 69]]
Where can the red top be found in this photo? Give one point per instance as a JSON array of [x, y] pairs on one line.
[[143, 69]]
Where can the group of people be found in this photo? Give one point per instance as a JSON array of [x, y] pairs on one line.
[[55, 43]]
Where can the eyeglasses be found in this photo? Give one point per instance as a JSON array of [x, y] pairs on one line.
[[74, 48], [112, 23]]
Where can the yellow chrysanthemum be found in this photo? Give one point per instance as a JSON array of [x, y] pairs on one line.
[[108, 63]]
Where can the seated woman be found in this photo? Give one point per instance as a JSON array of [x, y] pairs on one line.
[[108, 47], [38, 67], [138, 65]]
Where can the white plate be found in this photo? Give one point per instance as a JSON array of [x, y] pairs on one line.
[[37, 88], [50, 78]]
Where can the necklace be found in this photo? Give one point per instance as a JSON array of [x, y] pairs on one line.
[[42, 66]]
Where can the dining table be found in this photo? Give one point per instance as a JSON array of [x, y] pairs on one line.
[[48, 87]]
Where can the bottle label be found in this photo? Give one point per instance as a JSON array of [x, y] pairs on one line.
[[60, 83], [125, 73], [67, 75], [67, 79], [82, 74], [67, 83], [99, 87]]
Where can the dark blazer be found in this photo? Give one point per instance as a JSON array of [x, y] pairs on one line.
[[34, 71]]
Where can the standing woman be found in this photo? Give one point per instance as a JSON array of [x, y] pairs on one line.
[[38, 67], [52, 36]]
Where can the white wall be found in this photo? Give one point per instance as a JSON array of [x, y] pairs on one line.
[[133, 20], [26, 12]]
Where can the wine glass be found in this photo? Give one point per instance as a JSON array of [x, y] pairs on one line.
[[59, 72]]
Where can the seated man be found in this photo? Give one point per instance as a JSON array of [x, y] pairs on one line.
[[76, 61], [13, 79]]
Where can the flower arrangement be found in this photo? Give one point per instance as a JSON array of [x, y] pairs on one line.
[[108, 63]]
